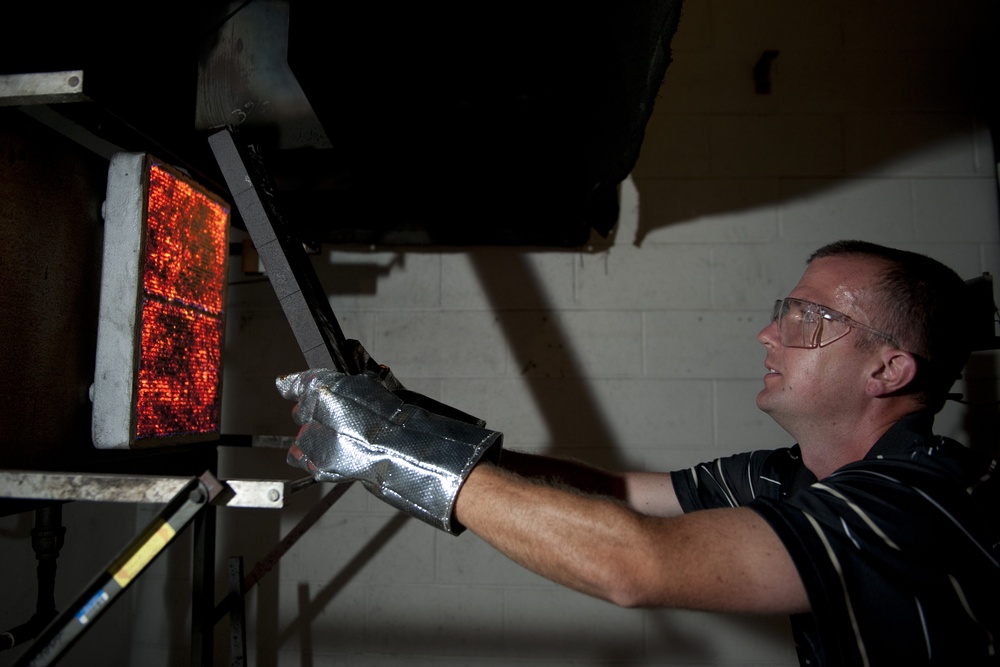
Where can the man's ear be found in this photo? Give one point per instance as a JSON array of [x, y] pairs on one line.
[[896, 371]]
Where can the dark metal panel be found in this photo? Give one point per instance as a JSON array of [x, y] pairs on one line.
[[50, 268]]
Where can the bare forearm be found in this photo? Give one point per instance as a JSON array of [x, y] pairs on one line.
[[560, 534], [723, 560], [647, 493], [564, 472]]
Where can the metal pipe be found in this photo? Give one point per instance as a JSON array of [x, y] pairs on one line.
[[47, 539]]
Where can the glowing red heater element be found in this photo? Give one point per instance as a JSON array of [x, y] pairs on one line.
[[180, 369], [176, 289]]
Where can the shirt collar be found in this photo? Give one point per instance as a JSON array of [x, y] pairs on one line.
[[912, 431]]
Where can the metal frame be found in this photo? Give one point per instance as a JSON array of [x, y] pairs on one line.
[[192, 498], [123, 488], [41, 88], [188, 500]]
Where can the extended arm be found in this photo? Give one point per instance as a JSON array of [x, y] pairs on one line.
[[723, 560], [650, 493], [444, 473]]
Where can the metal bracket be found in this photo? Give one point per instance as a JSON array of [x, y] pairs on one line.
[[41, 88], [108, 487]]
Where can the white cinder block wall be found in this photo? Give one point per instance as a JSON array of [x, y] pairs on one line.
[[639, 351]]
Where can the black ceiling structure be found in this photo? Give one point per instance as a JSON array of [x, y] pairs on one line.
[[445, 124]]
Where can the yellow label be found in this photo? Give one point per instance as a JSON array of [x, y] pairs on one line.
[[153, 545]]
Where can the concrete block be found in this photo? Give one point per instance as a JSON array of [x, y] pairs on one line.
[[956, 210], [720, 211], [750, 277], [322, 621], [252, 406], [441, 343], [552, 413], [468, 561], [647, 412], [507, 278], [253, 292], [620, 456], [690, 637], [610, 630], [908, 26], [507, 404], [717, 81], [907, 144], [574, 344], [694, 31], [655, 277], [807, 80], [704, 344], [919, 81], [398, 280], [435, 620], [149, 604], [777, 145], [776, 24], [677, 457], [260, 341], [990, 258], [368, 548], [676, 146], [877, 210], [150, 655], [986, 155], [964, 258]]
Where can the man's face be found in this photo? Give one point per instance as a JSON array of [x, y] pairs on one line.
[[819, 387]]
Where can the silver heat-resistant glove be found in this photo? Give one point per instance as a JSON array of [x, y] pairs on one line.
[[355, 429]]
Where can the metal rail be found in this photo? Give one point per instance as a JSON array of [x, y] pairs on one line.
[[120, 488]]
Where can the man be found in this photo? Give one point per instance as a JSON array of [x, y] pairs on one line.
[[879, 538]]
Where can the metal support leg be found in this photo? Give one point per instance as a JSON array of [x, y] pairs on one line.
[[121, 572], [47, 540], [237, 615], [203, 589]]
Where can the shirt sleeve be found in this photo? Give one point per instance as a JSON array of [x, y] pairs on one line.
[[735, 481]]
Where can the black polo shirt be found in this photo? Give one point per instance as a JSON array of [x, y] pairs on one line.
[[898, 552]]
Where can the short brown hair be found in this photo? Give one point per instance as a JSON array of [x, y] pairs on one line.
[[925, 305]]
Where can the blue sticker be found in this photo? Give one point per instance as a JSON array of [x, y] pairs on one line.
[[93, 607]]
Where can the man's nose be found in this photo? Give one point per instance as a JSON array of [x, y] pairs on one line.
[[769, 335]]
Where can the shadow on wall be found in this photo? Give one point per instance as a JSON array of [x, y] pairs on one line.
[[520, 279], [266, 348], [897, 80], [311, 607], [559, 645]]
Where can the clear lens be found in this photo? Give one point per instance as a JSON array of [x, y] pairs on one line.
[[806, 324]]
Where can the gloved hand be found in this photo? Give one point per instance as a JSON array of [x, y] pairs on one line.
[[355, 429], [363, 361]]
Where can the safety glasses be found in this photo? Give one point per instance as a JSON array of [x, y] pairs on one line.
[[806, 324]]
